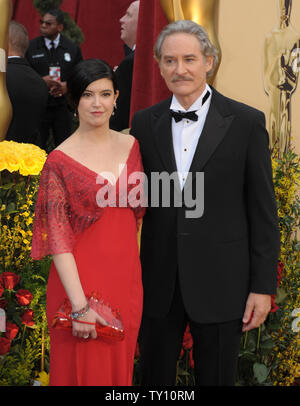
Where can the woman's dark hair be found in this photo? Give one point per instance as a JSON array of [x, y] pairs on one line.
[[84, 73]]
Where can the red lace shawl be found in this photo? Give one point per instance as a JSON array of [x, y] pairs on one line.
[[66, 201]]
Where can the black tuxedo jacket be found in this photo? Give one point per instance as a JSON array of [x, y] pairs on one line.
[[120, 120], [29, 95], [232, 249]]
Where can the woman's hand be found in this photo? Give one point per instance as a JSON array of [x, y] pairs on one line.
[[83, 330], [67, 269]]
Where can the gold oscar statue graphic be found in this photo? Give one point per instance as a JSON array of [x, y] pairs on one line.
[[5, 105], [203, 12], [281, 70]]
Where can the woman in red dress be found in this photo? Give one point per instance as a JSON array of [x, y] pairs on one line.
[[87, 216]]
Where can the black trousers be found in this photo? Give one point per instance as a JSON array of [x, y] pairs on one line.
[[215, 351], [58, 118]]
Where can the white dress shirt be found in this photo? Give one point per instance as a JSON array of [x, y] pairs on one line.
[[48, 42], [186, 133]]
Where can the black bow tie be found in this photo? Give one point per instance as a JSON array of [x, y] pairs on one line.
[[179, 115], [191, 115]]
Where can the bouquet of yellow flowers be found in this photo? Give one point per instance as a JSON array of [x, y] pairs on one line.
[[20, 166], [25, 343], [28, 159]]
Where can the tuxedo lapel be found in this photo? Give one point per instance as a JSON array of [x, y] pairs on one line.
[[216, 125], [162, 130]]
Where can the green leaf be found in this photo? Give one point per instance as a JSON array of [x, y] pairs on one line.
[[7, 186], [267, 345], [261, 372], [11, 207], [280, 295]]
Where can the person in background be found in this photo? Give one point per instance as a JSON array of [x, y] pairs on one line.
[[120, 119], [52, 56], [27, 90]]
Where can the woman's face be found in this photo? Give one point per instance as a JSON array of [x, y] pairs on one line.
[[97, 103]]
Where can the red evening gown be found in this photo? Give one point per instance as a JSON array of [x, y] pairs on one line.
[[104, 243]]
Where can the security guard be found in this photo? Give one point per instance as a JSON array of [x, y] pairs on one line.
[[52, 55]]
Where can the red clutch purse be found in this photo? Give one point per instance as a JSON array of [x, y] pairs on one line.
[[114, 331]]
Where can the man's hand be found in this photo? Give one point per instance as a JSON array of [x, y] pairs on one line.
[[49, 81], [58, 89], [257, 309]]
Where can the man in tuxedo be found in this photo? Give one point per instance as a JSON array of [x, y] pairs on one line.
[[212, 268], [52, 56], [120, 119], [26, 89]]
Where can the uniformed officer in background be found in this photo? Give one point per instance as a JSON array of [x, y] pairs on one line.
[[52, 55]]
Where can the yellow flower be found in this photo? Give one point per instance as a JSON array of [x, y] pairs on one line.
[[31, 165], [43, 377], [3, 163], [28, 159], [12, 161]]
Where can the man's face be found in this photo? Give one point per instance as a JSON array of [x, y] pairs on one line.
[[49, 27], [129, 24], [184, 67]]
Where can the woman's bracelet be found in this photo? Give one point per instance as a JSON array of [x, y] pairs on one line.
[[80, 313]]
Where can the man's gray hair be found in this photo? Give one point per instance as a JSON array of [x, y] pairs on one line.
[[192, 28]]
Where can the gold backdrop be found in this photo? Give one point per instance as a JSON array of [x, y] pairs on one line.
[[5, 105], [244, 28]]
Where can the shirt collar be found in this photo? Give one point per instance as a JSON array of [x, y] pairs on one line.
[[175, 105], [56, 41]]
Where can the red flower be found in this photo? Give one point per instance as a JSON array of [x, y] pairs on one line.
[[187, 342], [4, 345], [9, 279], [279, 272], [24, 297], [27, 318], [137, 351], [274, 306], [11, 330], [1, 289], [187, 339], [3, 303]]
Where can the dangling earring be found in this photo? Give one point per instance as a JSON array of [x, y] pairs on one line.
[[114, 110], [75, 113]]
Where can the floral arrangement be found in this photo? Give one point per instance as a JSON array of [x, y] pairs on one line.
[[24, 343], [285, 325]]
